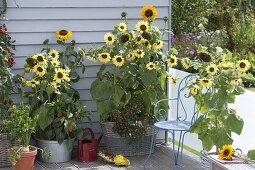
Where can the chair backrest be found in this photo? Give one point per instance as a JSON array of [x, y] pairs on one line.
[[184, 103]]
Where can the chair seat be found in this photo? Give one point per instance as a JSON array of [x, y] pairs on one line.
[[173, 125]]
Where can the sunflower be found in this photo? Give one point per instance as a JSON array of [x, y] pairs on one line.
[[63, 34], [243, 65], [149, 13], [122, 27], [139, 40], [81, 51], [32, 83], [40, 59], [205, 57], [55, 63], [172, 80], [54, 54], [194, 89], [104, 57], [146, 36], [151, 66], [109, 38], [226, 152], [172, 61], [185, 63], [54, 85], [130, 57], [30, 63], [147, 44], [120, 160], [132, 34], [212, 69], [93, 59], [158, 44], [236, 82], [139, 53], [124, 38], [59, 75], [225, 64], [205, 82], [118, 61], [142, 26], [39, 70]]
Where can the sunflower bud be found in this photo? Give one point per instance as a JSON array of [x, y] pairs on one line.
[[165, 18], [123, 15]]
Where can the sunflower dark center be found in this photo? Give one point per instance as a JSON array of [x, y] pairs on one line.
[[104, 56], [205, 81], [40, 58], [211, 69], [139, 38], [226, 152], [32, 82], [124, 38], [40, 69], [205, 57], [151, 66], [172, 60], [60, 75], [158, 42], [148, 13], [30, 62], [143, 27], [53, 55], [139, 52], [109, 38], [242, 65], [146, 36], [146, 43], [122, 27], [119, 59], [63, 32]]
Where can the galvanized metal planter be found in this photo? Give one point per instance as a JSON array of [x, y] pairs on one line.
[[116, 144], [59, 153]]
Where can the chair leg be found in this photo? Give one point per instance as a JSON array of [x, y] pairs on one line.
[[153, 137], [178, 154]]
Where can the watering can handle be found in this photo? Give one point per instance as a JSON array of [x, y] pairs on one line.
[[91, 132]]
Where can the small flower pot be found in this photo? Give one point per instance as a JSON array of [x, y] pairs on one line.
[[27, 160]]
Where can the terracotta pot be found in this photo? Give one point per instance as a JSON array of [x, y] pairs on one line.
[[27, 160]]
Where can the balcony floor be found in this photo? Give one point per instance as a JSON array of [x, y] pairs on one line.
[[161, 159]]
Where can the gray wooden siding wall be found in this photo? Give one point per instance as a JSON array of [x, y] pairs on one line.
[[89, 20]]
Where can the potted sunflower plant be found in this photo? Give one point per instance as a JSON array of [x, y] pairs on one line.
[[125, 91], [49, 75], [21, 125]]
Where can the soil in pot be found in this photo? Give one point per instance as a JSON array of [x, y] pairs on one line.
[[27, 160]]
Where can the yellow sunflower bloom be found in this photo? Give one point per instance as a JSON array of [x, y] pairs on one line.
[[151, 66], [139, 53], [104, 57], [39, 58], [158, 44], [63, 34], [120, 160], [205, 82], [54, 85], [243, 65], [67, 71], [122, 27], [212, 69], [132, 34], [130, 57], [109, 38], [236, 82], [172, 61], [39, 70], [147, 44], [149, 13], [194, 89], [172, 80], [226, 152], [55, 63], [185, 63], [93, 59], [142, 26], [53, 54], [139, 40], [59, 75], [81, 51], [225, 64], [32, 83], [118, 61]]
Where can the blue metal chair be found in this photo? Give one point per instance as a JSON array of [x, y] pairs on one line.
[[182, 122]]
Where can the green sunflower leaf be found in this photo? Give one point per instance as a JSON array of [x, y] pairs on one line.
[[234, 123]]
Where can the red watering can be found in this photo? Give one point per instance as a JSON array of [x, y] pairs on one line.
[[87, 148]]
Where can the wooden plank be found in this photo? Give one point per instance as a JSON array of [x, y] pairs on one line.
[[87, 3], [67, 166], [76, 13], [6, 168], [75, 25], [38, 166]]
